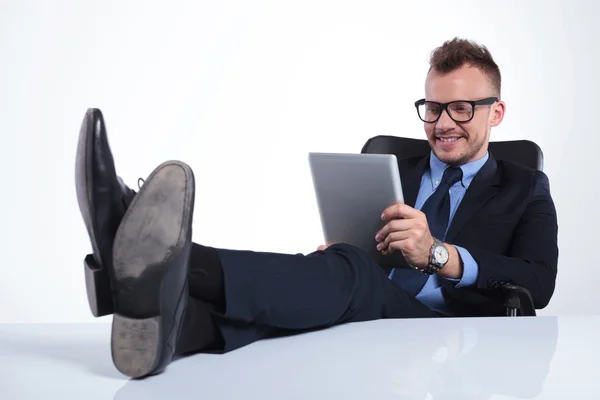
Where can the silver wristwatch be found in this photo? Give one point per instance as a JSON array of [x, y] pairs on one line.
[[438, 257]]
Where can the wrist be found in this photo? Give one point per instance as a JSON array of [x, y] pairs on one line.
[[454, 267], [438, 257]]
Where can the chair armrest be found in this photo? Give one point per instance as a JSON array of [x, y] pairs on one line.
[[517, 300]]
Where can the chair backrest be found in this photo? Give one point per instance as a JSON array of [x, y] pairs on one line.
[[524, 152]]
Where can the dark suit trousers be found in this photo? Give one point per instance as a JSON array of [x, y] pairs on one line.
[[270, 294]]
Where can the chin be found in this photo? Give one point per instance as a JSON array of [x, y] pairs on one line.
[[454, 161], [449, 157]]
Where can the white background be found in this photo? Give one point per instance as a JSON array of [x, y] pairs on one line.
[[242, 91]]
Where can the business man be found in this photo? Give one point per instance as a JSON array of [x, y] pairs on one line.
[[469, 222]]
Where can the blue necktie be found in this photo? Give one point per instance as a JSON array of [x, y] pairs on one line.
[[437, 210], [437, 206]]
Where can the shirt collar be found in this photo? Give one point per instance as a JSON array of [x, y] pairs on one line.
[[469, 170]]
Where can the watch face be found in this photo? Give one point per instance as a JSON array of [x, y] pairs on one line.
[[440, 254]]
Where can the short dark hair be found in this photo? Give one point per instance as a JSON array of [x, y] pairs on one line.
[[457, 52]]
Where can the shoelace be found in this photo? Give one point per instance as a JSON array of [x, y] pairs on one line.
[[128, 198]]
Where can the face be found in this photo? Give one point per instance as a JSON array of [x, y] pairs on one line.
[[459, 143]]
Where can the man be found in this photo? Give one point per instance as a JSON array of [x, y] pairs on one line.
[[469, 222]]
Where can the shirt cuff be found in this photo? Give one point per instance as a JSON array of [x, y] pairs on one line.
[[470, 269]]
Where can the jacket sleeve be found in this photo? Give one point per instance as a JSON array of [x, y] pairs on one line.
[[532, 257]]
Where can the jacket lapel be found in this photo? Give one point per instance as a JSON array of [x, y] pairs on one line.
[[484, 186], [411, 175]]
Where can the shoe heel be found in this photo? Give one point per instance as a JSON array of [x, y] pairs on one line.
[[98, 288], [136, 345]]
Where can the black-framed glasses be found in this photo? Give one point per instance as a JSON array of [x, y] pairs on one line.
[[459, 110]]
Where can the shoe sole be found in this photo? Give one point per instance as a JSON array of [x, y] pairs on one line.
[[154, 230]]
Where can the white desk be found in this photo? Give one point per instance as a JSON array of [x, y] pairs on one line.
[[489, 358]]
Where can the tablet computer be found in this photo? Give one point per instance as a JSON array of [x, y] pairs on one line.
[[352, 190]]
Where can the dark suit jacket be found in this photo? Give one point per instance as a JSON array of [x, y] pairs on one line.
[[507, 221]]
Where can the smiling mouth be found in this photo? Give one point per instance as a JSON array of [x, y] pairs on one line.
[[448, 139]]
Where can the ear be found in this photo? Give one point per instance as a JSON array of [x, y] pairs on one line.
[[497, 113]]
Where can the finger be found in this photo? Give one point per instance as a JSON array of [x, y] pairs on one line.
[[399, 245], [399, 210], [396, 245], [393, 237], [394, 226], [321, 247]]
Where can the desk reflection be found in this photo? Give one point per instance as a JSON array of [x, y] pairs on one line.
[[408, 359]]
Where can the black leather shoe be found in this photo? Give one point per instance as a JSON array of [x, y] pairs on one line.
[[103, 199], [150, 259]]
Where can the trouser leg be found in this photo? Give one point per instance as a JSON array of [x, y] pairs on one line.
[[266, 294]]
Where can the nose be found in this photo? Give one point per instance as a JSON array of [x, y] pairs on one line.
[[445, 123]]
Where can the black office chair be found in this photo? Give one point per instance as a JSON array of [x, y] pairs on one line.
[[517, 300]]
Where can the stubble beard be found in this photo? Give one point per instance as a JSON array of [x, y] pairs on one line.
[[467, 155]]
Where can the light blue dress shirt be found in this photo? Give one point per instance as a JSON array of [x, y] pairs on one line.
[[431, 293]]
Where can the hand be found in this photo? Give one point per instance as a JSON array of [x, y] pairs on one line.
[[321, 247], [408, 232]]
